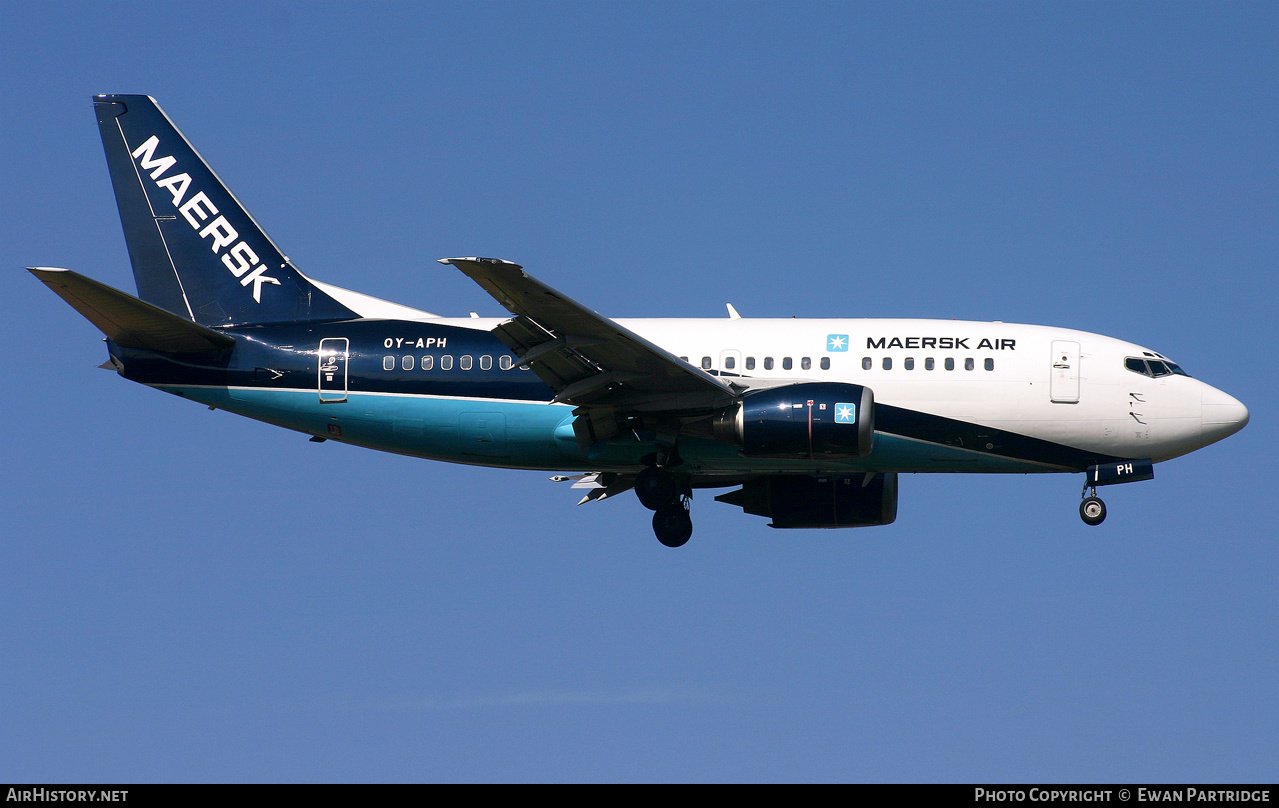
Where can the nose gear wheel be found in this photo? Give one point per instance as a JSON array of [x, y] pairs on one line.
[[1092, 510]]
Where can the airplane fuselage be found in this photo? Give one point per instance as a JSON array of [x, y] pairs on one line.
[[950, 395]]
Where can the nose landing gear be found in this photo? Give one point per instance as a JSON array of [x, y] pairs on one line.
[[1092, 510]]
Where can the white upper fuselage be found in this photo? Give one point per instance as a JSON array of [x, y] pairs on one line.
[[1003, 375]]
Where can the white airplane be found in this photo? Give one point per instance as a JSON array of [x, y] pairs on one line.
[[810, 421]]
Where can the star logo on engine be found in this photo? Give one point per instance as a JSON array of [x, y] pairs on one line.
[[845, 413]]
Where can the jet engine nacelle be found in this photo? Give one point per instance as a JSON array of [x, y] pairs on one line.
[[859, 500], [802, 420]]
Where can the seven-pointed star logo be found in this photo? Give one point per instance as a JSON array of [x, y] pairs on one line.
[[837, 342], [845, 413]]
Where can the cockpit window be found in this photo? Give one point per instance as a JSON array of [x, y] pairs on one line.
[[1153, 367]]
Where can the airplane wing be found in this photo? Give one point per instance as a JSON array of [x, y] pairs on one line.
[[587, 359]]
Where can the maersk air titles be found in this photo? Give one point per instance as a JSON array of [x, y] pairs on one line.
[[809, 422], [941, 343]]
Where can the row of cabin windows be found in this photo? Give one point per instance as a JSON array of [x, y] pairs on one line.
[[730, 363], [446, 362], [929, 364], [467, 362]]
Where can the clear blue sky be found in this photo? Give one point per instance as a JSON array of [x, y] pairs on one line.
[[186, 595]]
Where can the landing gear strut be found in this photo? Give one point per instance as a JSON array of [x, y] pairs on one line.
[[1092, 510]]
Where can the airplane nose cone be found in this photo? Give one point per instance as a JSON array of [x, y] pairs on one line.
[[1221, 415]]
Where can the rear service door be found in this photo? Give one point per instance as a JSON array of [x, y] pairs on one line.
[[334, 352]]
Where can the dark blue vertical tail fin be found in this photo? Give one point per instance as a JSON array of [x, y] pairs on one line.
[[195, 250]]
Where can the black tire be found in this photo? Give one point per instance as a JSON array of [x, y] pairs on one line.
[[656, 488], [1093, 511], [673, 524]]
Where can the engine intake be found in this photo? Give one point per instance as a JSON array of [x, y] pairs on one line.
[[824, 419]]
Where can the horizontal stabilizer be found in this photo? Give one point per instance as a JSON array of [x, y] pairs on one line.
[[128, 321]]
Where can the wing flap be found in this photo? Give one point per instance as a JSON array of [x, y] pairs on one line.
[[548, 355], [588, 359]]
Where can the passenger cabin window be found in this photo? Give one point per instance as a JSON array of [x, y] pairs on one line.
[[929, 364], [730, 363], [910, 363], [768, 363], [990, 364], [786, 363], [706, 363], [505, 362], [750, 363], [446, 362], [969, 364], [866, 363], [407, 362], [888, 363], [950, 363], [806, 363], [486, 362], [465, 362], [428, 362], [825, 363]]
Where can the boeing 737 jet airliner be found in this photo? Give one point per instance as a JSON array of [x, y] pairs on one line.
[[809, 421]]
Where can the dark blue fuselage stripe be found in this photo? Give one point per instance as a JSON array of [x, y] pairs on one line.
[[964, 435]]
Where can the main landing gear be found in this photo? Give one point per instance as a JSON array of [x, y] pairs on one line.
[[660, 491], [673, 524], [1092, 510]]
